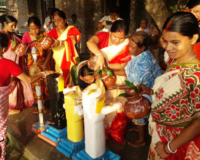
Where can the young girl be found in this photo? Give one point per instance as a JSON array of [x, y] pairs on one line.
[[8, 68], [42, 59]]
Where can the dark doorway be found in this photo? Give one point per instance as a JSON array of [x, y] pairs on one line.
[[124, 8]]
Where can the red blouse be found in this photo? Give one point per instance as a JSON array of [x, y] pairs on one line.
[[8, 68]]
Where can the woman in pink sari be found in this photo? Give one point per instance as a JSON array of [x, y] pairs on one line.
[[20, 95], [8, 68]]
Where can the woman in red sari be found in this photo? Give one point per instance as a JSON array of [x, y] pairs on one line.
[[113, 46], [174, 123], [64, 49]]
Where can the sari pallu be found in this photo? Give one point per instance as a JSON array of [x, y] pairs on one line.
[[20, 94], [175, 105], [4, 107], [116, 122]]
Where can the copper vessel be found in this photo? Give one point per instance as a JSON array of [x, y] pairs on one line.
[[20, 49], [45, 42], [136, 107], [91, 62]]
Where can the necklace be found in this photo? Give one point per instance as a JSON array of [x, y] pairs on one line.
[[187, 60]]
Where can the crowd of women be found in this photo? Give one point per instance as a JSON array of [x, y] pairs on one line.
[[175, 93]]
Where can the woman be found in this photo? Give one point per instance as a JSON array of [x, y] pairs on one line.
[[175, 122], [8, 68], [142, 68], [194, 7], [113, 46], [20, 93], [43, 59], [64, 51]]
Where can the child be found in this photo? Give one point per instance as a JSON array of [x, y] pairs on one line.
[[143, 26]]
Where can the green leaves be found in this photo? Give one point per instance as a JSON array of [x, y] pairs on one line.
[[38, 38], [13, 43], [108, 72], [124, 95], [97, 71], [137, 90]]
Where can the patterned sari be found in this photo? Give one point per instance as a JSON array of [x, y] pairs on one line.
[[4, 107], [176, 104]]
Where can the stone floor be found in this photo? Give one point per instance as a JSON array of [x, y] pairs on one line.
[[25, 144]]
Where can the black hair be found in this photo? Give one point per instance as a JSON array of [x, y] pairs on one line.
[[4, 40], [115, 9], [143, 39], [145, 20], [73, 15], [193, 3], [7, 19], [34, 20], [184, 23], [60, 14], [119, 25]]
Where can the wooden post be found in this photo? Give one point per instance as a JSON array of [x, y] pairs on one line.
[[105, 7]]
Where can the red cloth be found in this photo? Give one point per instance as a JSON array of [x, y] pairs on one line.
[[196, 49], [123, 57], [118, 128], [8, 68]]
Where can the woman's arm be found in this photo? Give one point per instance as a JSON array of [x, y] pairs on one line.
[[120, 72], [117, 66], [190, 133], [30, 79], [92, 44], [48, 58]]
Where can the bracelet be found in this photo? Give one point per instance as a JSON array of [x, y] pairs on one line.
[[60, 42], [98, 54], [165, 150], [45, 75], [170, 148]]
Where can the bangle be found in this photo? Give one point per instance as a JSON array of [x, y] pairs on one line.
[[166, 151], [45, 75], [60, 42], [98, 54], [170, 148]]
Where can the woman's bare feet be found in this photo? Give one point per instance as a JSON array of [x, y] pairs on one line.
[[137, 143]]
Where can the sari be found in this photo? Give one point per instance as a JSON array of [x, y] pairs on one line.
[[175, 105], [115, 122], [65, 56], [4, 108], [20, 96], [41, 57]]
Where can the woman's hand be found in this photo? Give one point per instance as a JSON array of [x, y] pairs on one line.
[[49, 72], [161, 149], [145, 90], [100, 62], [56, 43]]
